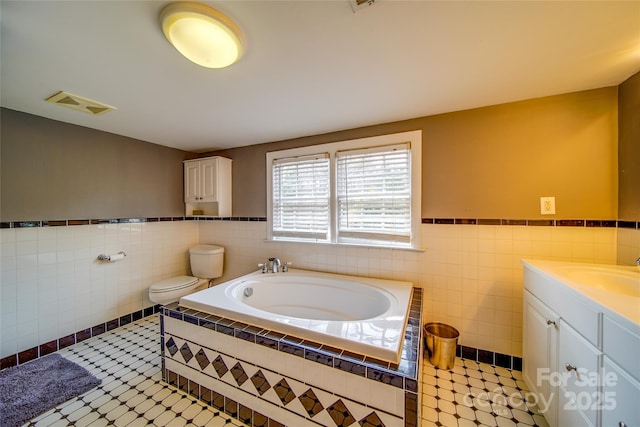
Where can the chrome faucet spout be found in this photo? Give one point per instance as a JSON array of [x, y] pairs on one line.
[[275, 264]]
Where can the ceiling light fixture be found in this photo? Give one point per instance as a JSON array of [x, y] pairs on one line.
[[202, 34]]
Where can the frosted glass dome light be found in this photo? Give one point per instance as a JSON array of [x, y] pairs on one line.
[[202, 34]]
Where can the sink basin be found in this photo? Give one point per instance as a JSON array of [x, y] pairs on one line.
[[610, 280]]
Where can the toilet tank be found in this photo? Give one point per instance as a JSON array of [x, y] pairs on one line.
[[206, 261]]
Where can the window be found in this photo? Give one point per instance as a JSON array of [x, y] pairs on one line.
[[364, 192], [301, 197]]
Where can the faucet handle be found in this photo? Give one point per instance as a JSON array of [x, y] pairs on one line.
[[264, 267], [285, 266]]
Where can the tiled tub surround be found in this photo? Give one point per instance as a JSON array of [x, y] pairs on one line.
[[358, 314], [132, 393], [292, 381]]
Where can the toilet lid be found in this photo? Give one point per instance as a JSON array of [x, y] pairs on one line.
[[173, 284]]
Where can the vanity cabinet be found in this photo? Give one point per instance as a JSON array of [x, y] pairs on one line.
[[579, 361], [207, 186], [540, 331], [580, 356], [621, 375]]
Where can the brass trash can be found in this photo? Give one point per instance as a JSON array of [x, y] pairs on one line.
[[442, 341]]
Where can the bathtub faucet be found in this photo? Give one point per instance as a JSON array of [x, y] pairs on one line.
[[275, 264]]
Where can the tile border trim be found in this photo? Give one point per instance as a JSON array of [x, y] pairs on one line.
[[218, 401], [71, 222], [607, 223], [492, 358], [52, 346], [590, 223]]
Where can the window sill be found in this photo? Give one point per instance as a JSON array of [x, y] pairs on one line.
[[347, 245]]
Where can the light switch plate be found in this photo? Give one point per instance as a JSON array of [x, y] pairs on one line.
[[547, 205]]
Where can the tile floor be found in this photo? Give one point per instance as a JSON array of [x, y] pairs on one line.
[[127, 360]]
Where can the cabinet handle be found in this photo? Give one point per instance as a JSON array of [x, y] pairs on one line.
[[570, 368], [551, 322]]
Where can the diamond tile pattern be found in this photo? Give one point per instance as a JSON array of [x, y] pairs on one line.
[[172, 348], [260, 382], [220, 366], [284, 392], [311, 403], [202, 359], [128, 361], [239, 374], [371, 420], [466, 394], [340, 414], [186, 353]]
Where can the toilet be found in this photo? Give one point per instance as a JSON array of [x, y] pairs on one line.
[[206, 264]]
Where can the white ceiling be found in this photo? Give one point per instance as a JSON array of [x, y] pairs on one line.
[[310, 67]]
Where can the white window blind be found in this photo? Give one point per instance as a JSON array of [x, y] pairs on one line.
[[374, 194], [301, 197]]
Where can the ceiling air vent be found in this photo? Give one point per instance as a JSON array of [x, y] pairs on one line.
[[79, 103], [356, 5]]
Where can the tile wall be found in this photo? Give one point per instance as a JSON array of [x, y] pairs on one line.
[[471, 273], [51, 284]]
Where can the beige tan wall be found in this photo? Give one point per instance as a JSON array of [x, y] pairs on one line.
[[493, 162], [629, 149], [52, 170]]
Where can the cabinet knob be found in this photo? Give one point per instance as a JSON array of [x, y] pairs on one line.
[[551, 322], [569, 367], [622, 424]]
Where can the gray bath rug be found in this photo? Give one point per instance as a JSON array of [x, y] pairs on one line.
[[28, 390]]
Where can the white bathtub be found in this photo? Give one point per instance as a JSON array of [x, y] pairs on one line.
[[359, 314]]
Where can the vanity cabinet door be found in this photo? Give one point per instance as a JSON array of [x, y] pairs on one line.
[[621, 397], [540, 335], [579, 391]]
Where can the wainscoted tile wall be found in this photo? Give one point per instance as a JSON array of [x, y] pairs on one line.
[[471, 273], [628, 245], [52, 285]]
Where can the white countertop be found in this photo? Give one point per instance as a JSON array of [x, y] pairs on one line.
[[590, 281]]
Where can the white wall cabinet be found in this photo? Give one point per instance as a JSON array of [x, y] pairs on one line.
[[578, 354], [207, 186]]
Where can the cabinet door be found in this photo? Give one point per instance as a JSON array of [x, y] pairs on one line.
[[191, 182], [208, 180], [620, 397], [579, 363], [539, 353]]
